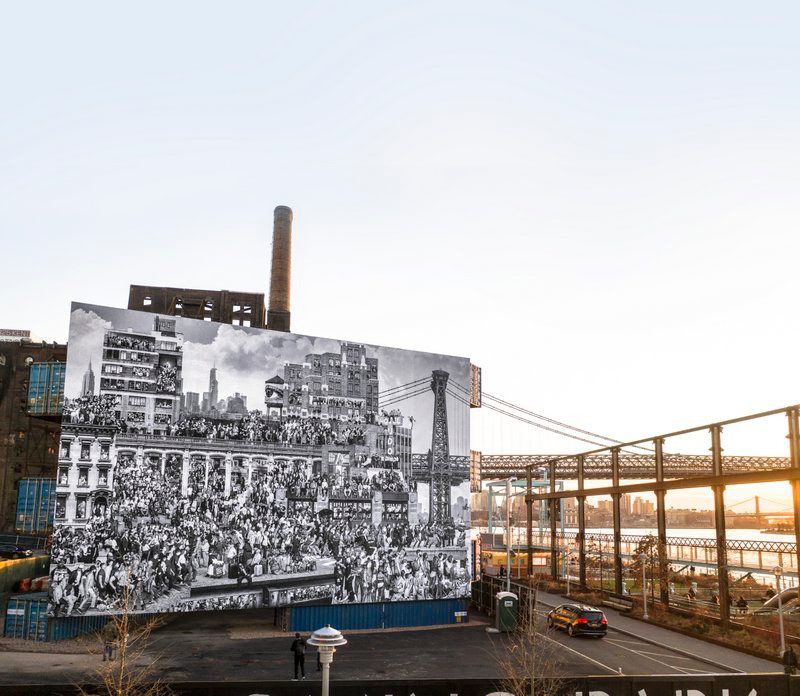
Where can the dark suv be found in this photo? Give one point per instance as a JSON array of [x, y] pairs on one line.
[[13, 551], [578, 620]]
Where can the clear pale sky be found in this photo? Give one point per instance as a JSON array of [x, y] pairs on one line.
[[598, 204]]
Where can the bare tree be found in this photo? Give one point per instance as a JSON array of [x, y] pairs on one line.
[[653, 550], [527, 657], [130, 672]]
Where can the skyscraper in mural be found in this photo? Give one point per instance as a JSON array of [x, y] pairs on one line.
[[213, 388], [87, 388]]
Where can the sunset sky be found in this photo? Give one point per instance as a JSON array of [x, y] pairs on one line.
[[597, 202]]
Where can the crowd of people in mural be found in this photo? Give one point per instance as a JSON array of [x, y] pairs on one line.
[[92, 410], [376, 574], [256, 427], [245, 600], [167, 379], [160, 537], [132, 342]]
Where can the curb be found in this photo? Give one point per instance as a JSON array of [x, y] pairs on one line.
[[685, 653]]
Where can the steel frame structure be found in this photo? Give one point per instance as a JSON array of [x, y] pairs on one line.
[[716, 476]]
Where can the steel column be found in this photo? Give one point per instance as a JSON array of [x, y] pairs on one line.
[[529, 506], [794, 453], [553, 533], [581, 526], [661, 517], [616, 497], [719, 521]]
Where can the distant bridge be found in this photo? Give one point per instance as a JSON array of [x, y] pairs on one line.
[[421, 465], [631, 466]]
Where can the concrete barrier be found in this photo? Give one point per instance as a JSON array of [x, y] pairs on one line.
[[14, 570]]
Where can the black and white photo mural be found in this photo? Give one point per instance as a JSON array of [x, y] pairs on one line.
[[209, 466]]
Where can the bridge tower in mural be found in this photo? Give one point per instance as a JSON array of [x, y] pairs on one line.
[[441, 478]]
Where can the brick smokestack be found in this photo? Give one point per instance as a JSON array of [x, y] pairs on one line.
[[278, 315]]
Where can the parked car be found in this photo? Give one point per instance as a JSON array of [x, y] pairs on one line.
[[13, 551], [578, 620]]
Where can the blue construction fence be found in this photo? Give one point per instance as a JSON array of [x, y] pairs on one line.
[[26, 617], [354, 617]]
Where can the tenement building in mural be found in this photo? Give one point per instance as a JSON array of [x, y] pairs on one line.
[[312, 471]]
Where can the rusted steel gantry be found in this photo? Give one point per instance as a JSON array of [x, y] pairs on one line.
[[670, 472]]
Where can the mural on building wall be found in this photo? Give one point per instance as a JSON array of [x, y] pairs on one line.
[[209, 466]]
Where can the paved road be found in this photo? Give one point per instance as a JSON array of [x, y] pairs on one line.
[[241, 646], [654, 650], [618, 653]]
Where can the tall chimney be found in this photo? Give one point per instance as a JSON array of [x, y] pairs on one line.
[[278, 315]]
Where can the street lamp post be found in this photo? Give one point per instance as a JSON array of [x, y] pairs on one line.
[[643, 559], [600, 560], [778, 570], [326, 640], [565, 549]]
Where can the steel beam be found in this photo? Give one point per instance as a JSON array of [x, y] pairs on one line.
[[719, 522], [661, 517], [679, 484], [581, 539], [616, 496], [529, 506], [553, 533], [793, 415]]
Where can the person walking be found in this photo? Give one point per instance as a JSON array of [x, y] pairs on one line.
[[299, 650]]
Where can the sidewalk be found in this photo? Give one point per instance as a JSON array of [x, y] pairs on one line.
[[729, 657]]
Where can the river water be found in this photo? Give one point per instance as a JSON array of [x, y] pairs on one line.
[[760, 563]]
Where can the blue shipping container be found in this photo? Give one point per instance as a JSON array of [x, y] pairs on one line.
[[35, 505], [26, 617], [46, 389], [354, 617]]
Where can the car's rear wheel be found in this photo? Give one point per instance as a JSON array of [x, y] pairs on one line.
[[570, 631]]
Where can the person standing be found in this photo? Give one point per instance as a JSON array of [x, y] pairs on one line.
[[110, 636], [299, 650], [790, 661]]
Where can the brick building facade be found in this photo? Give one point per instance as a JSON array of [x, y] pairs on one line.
[[28, 442]]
